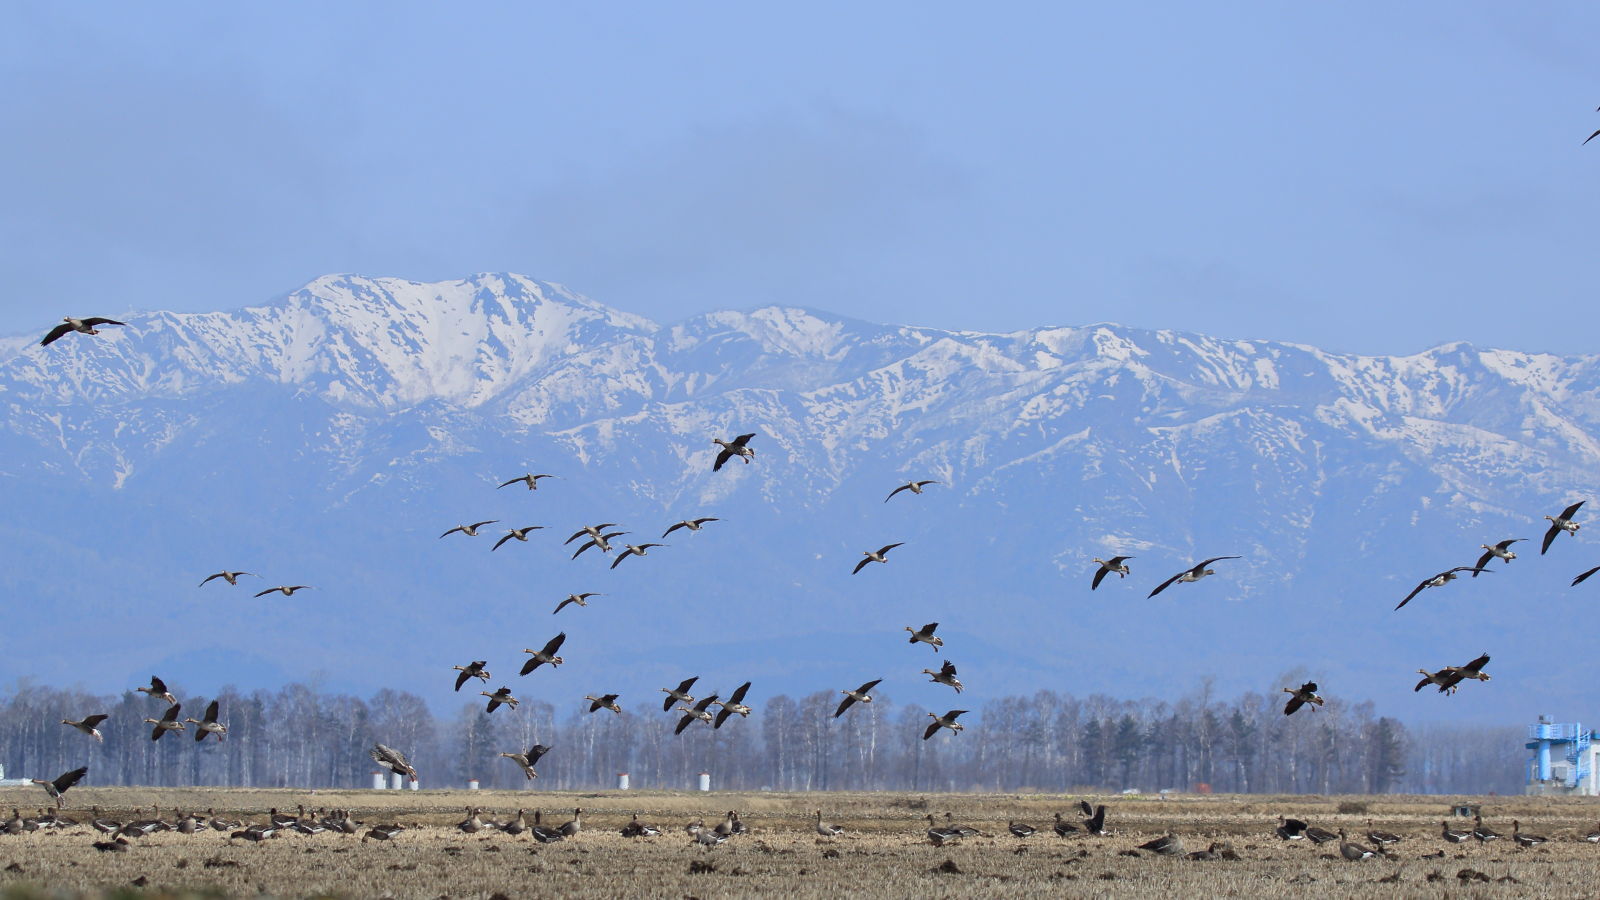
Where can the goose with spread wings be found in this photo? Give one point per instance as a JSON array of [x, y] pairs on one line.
[[679, 694], [167, 722], [530, 479], [89, 725], [208, 724], [926, 636], [633, 550], [580, 599], [600, 540], [285, 589], [1561, 523], [59, 785], [474, 669], [230, 577], [604, 701], [859, 695], [499, 697], [914, 487], [157, 688], [391, 759], [739, 447], [701, 711], [1300, 696], [1194, 573], [520, 534], [469, 530], [526, 761], [1501, 550], [691, 524], [1117, 564], [734, 705], [879, 556], [948, 720], [1440, 580], [81, 326], [1454, 675], [946, 676], [545, 655]]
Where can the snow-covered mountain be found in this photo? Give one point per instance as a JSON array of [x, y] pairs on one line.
[[328, 437]]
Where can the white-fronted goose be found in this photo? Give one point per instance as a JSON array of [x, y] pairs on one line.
[[1096, 824], [1381, 838], [914, 487], [1501, 550], [734, 705], [948, 720], [939, 835], [1454, 835], [1194, 573], [1117, 564], [1061, 828], [1526, 840], [1482, 832], [604, 701], [542, 834], [59, 785], [526, 761], [530, 479], [208, 724], [879, 555], [167, 722], [636, 829], [1318, 835], [926, 636], [546, 655], [1440, 580], [736, 447], [520, 534], [392, 759], [679, 694], [474, 669], [1452, 676], [1593, 836], [383, 832], [89, 725], [81, 326], [859, 695], [1166, 845], [1021, 829], [946, 675], [632, 550], [469, 530], [499, 697], [1305, 693], [1561, 523], [230, 577], [827, 829], [471, 824], [593, 531], [580, 599], [700, 711], [158, 689], [603, 541], [571, 829], [1353, 852], [285, 589], [954, 827], [691, 524]]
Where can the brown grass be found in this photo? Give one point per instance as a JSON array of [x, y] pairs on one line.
[[884, 853]]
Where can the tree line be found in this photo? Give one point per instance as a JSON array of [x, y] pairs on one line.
[[1048, 742]]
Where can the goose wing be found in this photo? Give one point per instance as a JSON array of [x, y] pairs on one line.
[[1294, 704], [903, 487], [954, 714], [705, 704], [97, 320], [675, 528], [535, 752], [886, 549], [171, 715], [738, 693], [461, 528], [267, 591], [704, 519], [1099, 576], [55, 333], [1549, 535], [211, 578], [844, 705], [94, 720], [1483, 561], [68, 779], [743, 439], [1572, 510], [722, 716], [157, 685], [1585, 141], [1581, 578], [1168, 583], [684, 723], [930, 731], [497, 544], [1416, 590], [948, 669], [622, 556], [686, 684], [462, 678], [522, 478], [1427, 679], [1202, 566], [860, 565], [554, 644], [211, 712], [1476, 665]]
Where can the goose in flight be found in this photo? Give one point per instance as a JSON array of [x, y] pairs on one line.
[[208, 724], [1454, 675], [632, 550], [871, 557], [604, 701], [1117, 564], [530, 479], [1196, 573], [158, 688], [474, 669], [527, 760], [230, 577], [391, 759], [1305, 693], [859, 695], [1584, 577], [701, 711], [926, 636], [1501, 550], [469, 530], [81, 326], [600, 540], [547, 655], [89, 725], [591, 530], [679, 694], [945, 675], [948, 720], [501, 696], [691, 524], [1440, 580], [736, 447], [167, 722], [1561, 523], [579, 599], [914, 487], [1435, 678], [520, 534], [285, 589], [58, 786], [733, 705]]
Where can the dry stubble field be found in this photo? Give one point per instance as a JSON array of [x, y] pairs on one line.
[[884, 853]]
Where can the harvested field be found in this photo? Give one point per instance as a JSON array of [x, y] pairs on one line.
[[884, 853]]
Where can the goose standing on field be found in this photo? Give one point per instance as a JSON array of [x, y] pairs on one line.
[[859, 695], [1482, 832], [1501, 550], [1117, 564], [391, 759], [571, 829], [636, 828], [469, 530], [546, 655], [157, 689], [285, 589], [632, 550], [734, 705], [603, 541], [1454, 835], [230, 577], [1096, 824], [1062, 829], [58, 786], [1306, 693], [474, 669], [208, 724], [1561, 523], [1021, 829], [604, 701], [89, 725], [1526, 840], [499, 697], [914, 487], [926, 636], [948, 720], [1194, 573], [520, 534], [1166, 845], [526, 761], [701, 711], [1381, 838], [679, 694], [1290, 829], [946, 675], [580, 599], [691, 524], [383, 832], [878, 556], [167, 722], [739, 447], [530, 479], [827, 829], [1353, 852], [81, 326], [1440, 580]]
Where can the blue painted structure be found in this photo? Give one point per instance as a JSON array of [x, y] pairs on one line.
[[1568, 741]]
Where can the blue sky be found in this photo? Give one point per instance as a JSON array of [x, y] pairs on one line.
[[1369, 177]]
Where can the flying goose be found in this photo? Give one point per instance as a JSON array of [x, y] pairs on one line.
[[59, 785], [730, 449], [474, 669], [1353, 852], [501, 696], [1440, 580], [1454, 675], [593, 531], [874, 557], [604, 701], [167, 722], [208, 724], [158, 688], [88, 725], [1021, 829], [679, 694], [945, 675], [691, 524], [391, 759], [1482, 832], [520, 534], [1582, 578], [948, 720], [1561, 523], [701, 711], [1526, 840], [469, 530], [526, 761], [580, 599], [286, 589], [827, 829], [230, 577], [547, 655], [632, 550], [733, 705], [1306, 693], [81, 326], [1454, 835], [530, 479], [926, 636], [1166, 845], [603, 541], [1062, 829], [1195, 573], [1501, 550], [1117, 564], [914, 487], [1381, 838], [859, 695]]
